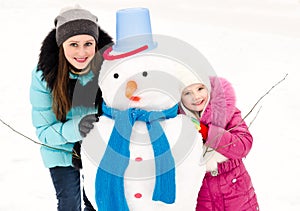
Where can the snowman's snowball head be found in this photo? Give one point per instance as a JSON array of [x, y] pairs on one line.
[[153, 79], [144, 81]]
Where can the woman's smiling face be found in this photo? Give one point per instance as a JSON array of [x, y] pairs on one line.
[[194, 97], [79, 50]]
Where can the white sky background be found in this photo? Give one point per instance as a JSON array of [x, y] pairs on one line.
[[252, 43]]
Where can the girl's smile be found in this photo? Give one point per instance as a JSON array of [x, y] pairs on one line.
[[198, 103], [195, 97]]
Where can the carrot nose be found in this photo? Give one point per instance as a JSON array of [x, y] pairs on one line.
[[130, 88]]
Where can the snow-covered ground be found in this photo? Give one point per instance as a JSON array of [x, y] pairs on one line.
[[253, 43]]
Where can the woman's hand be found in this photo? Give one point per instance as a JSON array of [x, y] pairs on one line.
[[86, 124]]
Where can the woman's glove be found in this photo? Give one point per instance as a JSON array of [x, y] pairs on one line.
[[86, 124]]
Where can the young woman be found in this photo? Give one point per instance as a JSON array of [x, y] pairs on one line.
[[227, 140], [63, 93]]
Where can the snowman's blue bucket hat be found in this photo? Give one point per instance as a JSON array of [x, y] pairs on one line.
[[134, 33]]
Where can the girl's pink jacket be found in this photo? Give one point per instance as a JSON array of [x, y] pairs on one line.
[[230, 187]]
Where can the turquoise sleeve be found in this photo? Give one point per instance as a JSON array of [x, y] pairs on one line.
[[48, 129]]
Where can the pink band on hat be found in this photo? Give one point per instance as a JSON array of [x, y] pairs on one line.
[[106, 55]]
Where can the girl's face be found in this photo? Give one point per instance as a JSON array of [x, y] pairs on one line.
[[194, 97], [79, 50]]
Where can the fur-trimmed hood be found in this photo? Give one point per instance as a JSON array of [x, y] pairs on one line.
[[221, 106], [48, 58]]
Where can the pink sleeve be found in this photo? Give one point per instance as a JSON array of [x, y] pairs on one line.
[[233, 142]]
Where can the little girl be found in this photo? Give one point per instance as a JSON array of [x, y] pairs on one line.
[[227, 140]]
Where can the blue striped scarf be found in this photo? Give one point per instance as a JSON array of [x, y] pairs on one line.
[[109, 183]]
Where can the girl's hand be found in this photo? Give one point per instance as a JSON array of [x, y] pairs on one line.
[[201, 127], [204, 131]]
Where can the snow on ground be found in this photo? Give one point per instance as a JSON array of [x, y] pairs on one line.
[[253, 43]]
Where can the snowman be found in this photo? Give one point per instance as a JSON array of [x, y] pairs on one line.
[[142, 155]]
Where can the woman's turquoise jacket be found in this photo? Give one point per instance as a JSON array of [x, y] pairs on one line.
[[58, 138]]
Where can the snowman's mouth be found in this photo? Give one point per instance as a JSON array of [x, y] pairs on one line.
[[135, 98]]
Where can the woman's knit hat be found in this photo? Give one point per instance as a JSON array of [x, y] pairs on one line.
[[74, 21]]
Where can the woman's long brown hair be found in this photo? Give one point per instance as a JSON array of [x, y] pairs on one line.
[[61, 102]]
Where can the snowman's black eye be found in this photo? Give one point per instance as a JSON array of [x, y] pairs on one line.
[[116, 75], [145, 74]]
